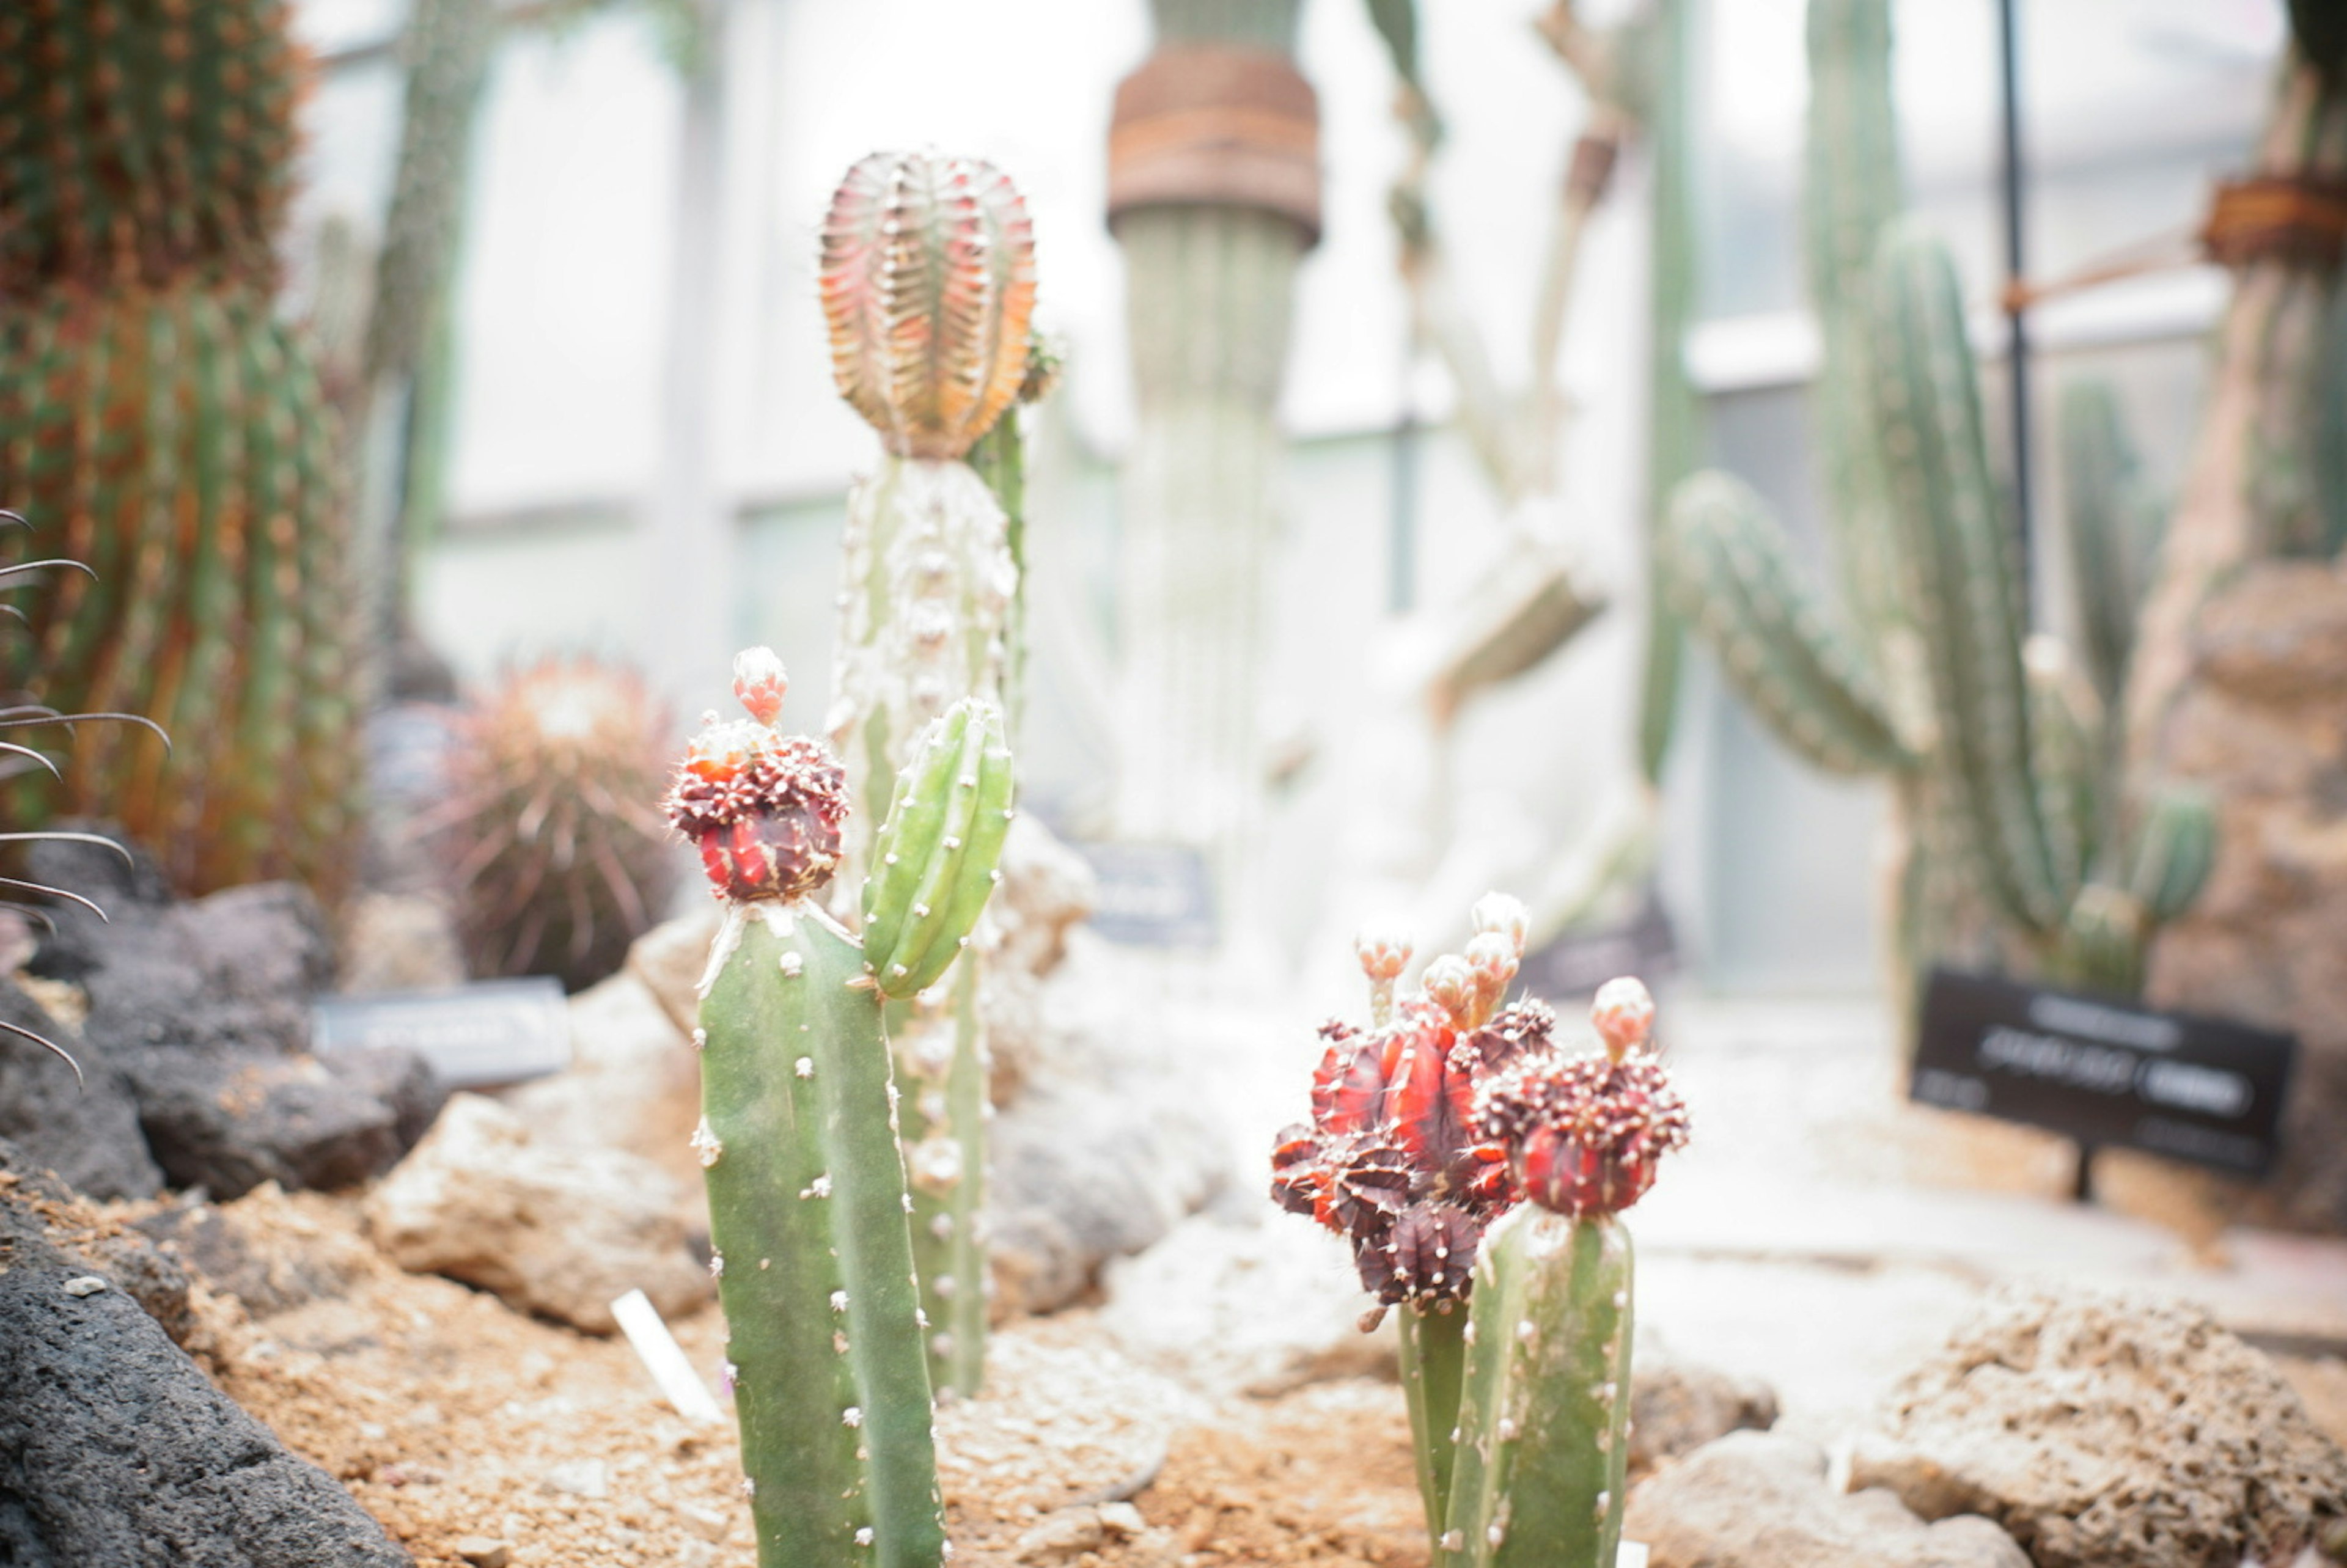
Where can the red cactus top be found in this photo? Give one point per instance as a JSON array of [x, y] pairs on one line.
[[762, 808]]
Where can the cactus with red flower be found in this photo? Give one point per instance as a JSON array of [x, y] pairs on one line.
[[1474, 1166]]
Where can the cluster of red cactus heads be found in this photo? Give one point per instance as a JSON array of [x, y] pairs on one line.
[[1391, 1160], [1584, 1133], [1451, 1108], [762, 808]]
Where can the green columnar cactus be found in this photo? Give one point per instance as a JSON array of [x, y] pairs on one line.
[[1544, 1404], [2010, 808], [928, 279], [154, 413], [808, 1203]]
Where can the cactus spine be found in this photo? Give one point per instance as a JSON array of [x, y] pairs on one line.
[[928, 288], [154, 411], [808, 1203], [2009, 802]]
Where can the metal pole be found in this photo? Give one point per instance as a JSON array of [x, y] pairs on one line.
[[2015, 193]]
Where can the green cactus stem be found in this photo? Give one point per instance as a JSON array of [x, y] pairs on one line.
[[808, 1200], [1539, 1478], [1433, 1362]]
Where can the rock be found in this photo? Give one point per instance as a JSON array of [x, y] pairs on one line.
[[1108, 1148], [562, 1231], [633, 1083], [1759, 1500], [235, 970], [1677, 1407], [580, 1478], [272, 1250], [1255, 1308], [1065, 1534], [670, 959], [86, 1131], [228, 1119], [115, 1448], [483, 1552], [2262, 723], [2109, 1428], [1046, 888], [99, 1247], [400, 942]]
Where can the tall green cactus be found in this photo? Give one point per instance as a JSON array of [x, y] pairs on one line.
[[2011, 809], [928, 279], [807, 1196], [157, 415], [1427, 1131]]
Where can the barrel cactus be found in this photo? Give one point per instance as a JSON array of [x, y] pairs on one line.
[[927, 278], [167, 429], [555, 857], [807, 1194]]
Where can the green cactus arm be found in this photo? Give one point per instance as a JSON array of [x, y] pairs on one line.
[[942, 1060], [814, 1261], [2110, 526], [2069, 759], [1740, 593], [935, 867], [1953, 527], [1544, 1406], [1433, 1360], [2174, 851]]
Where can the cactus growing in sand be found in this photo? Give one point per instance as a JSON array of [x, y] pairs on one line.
[[1410, 1158], [155, 411], [2019, 836], [807, 1197], [928, 279]]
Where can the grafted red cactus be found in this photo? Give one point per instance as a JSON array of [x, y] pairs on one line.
[[928, 285], [762, 808], [1390, 1159], [1584, 1133]]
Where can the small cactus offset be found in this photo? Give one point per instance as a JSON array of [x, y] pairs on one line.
[[556, 858], [807, 1196], [1408, 1160], [927, 279], [1544, 1402], [155, 415]]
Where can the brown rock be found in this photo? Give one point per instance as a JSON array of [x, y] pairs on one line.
[[1677, 1407], [2103, 1430], [1759, 1500], [483, 1552]]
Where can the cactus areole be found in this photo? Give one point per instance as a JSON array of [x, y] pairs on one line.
[[1475, 1167], [807, 1194]]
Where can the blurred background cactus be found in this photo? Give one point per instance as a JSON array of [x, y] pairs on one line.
[[555, 859], [927, 278], [165, 428], [2020, 839]]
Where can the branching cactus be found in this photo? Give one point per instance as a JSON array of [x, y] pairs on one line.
[[2020, 840], [1544, 1402], [928, 285], [807, 1197], [1397, 1161]]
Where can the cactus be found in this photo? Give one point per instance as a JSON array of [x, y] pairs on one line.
[[556, 860], [2011, 810], [156, 415], [929, 287], [807, 1196], [1417, 1154], [1544, 1401]]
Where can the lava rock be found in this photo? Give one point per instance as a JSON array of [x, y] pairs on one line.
[[116, 1449], [562, 1231], [1760, 1500], [1677, 1407], [228, 1119], [41, 1216], [86, 1129], [272, 1250], [2102, 1429]]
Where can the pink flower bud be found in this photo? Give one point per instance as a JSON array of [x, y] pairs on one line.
[[1623, 1013], [760, 683]]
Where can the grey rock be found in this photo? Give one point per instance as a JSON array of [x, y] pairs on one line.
[[228, 1119], [272, 1250], [1760, 1500], [2101, 1429], [38, 1210], [557, 1231], [86, 1131], [115, 1448], [1677, 1407]]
